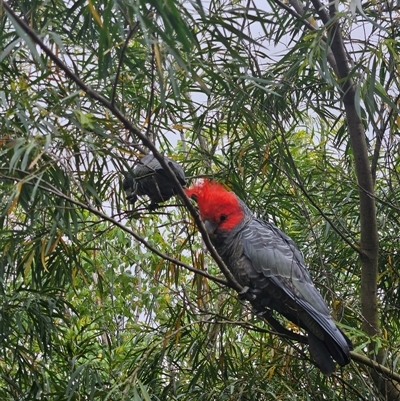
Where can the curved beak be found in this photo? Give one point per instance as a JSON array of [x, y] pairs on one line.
[[210, 227]]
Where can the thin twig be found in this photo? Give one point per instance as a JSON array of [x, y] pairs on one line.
[[151, 100], [87, 89], [51, 189], [380, 134], [297, 14], [134, 130], [299, 184], [364, 360], [132, 31]]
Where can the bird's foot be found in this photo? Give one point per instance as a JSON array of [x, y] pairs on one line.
[[262, 313], [153, 206], [133, 214], [132, 199], [249, 294]]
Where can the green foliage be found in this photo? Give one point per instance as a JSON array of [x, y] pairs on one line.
[[94, 302]]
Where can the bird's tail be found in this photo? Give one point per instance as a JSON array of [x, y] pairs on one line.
[[320, 354], [325, 351], [339, 347]]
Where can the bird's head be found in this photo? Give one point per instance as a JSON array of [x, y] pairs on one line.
[[219, 209], [129, 184]]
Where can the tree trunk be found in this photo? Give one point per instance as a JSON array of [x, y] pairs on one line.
[[368, 225]]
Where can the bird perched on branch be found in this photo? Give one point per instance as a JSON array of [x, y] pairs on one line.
[[149, 178], [271, 269]]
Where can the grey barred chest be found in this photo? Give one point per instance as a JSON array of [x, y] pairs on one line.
[[242, 269]]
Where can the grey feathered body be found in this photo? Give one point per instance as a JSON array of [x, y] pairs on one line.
[[149, 178], [265, 259]]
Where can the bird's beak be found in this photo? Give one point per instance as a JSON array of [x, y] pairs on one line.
[[210, 227]]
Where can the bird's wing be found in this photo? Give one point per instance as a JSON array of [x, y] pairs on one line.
[[178, 170], [149, 164], [146, 166], [275, 255]]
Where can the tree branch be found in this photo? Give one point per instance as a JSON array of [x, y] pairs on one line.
[[299, 15], [73, 77], [132, 31], [151, 101], [356, 135], [134, 130], [300, 185], [368, 224], [321, 11], [53, 190]]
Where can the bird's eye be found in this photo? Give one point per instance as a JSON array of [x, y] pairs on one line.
[[223, 218]]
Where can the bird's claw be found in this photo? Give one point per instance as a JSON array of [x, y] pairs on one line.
[[132, 199], [248, 293], [152, 207], [262, 313], [244, 293]]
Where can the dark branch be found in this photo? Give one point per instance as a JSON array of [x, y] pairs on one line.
[[134, 130], [51, 189]]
